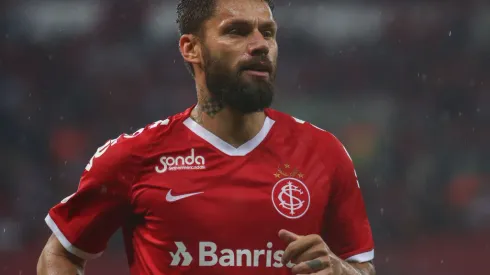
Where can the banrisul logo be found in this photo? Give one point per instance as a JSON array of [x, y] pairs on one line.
[[181, 256], [189, 162], [211, 255]]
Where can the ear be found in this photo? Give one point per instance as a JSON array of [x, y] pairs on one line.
[[190, 48]]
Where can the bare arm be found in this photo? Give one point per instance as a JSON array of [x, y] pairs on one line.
[[56, 260], [358, 268]]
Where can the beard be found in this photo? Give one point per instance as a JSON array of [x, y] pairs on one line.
[[230, 88]]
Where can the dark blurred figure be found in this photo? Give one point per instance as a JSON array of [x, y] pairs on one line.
[[405, 85]]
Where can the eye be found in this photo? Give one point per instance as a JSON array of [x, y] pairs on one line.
[[233, 31], [268, 34], [237, 31]]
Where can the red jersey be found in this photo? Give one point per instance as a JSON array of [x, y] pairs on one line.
[[189, 203]]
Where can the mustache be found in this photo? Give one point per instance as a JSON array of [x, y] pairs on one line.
[[263, 64]]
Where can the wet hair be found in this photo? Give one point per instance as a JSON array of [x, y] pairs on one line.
[[191, 15]]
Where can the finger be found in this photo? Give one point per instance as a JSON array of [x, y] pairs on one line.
[[328, 271], [287, 236], [298, 247], [314, 252], [312, 266]]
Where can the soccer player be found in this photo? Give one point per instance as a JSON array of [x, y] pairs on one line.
[[229, 186]]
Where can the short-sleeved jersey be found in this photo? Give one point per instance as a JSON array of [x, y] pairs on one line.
[[189, 203]]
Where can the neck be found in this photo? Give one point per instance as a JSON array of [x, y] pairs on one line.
[[229, 125]]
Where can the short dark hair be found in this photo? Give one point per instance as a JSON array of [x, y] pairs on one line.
[[191, 14]]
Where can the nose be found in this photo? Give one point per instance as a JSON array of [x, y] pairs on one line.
[[258, 45]]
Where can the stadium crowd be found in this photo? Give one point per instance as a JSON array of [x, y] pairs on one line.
[[404, 85]]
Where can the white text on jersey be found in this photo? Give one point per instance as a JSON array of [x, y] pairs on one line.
[[190, 162], [210, 256], [102, 149]]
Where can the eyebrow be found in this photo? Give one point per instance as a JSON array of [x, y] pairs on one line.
[[262, 24]]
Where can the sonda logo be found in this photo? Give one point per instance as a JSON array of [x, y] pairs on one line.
[[190, 162], [210, 256]]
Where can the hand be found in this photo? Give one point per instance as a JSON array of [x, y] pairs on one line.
[[310, 254]]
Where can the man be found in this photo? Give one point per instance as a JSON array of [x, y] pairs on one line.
[[227, 187]]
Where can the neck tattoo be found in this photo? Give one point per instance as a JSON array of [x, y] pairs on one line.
[[209, 106]]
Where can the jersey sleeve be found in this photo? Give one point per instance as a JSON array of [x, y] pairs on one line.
[[84, 221], [347, 231]]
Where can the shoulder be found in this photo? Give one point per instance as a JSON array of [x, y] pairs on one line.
[[331, 150], [130, 149], [307, 131]]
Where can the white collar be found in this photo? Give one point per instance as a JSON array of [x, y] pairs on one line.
[[225, 147]]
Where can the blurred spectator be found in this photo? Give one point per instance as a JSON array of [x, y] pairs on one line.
[[405, 85]]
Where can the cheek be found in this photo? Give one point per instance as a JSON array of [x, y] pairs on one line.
[[273, 51], [222, 66], [224, 56]]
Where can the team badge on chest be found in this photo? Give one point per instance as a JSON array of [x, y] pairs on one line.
[[290, 196]]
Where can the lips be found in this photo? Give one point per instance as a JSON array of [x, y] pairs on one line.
[[261, 74], [262, 67]]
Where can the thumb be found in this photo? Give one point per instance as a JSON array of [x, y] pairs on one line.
[[287, 236]]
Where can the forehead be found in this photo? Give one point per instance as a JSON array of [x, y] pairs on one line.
[[250, 10]]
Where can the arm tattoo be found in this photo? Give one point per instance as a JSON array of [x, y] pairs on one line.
[[369, 271], [360, 271]]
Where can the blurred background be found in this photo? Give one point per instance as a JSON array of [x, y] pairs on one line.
[[404, 84]]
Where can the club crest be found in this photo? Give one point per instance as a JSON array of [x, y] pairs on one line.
[[290, 196]]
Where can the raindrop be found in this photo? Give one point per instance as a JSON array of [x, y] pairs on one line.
[[450, 33], [460, 114], [66, 162], [7, 36], [62, 117], [4, 230], [50, 57], [289, 4], [382, 211], [387, 259], [29, 118], [442, 261], [174, 61], [477, 110]]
